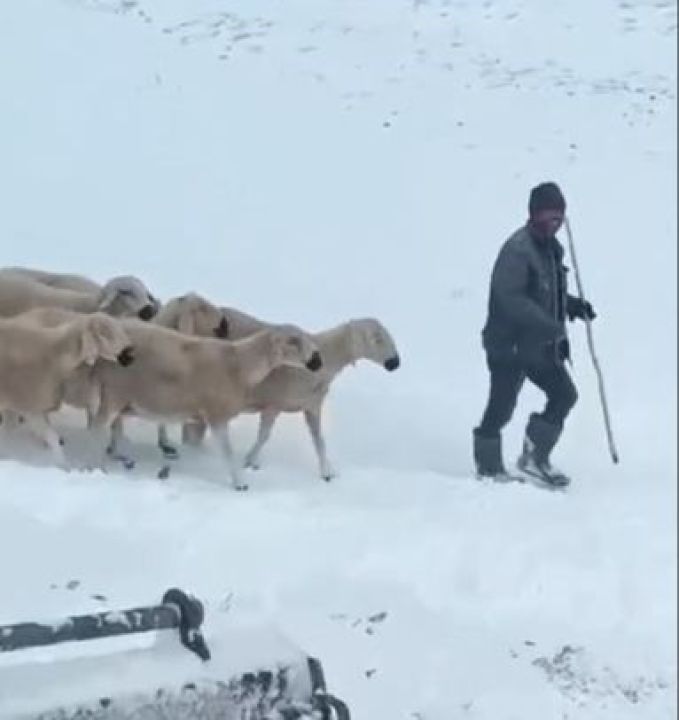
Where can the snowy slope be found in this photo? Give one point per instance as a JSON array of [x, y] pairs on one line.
[[318, 161]]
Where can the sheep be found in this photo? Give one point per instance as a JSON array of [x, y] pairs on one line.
[[293, 390], [23, 289], [177, 377], [60, 281], [242, 325], [190, 314], [35, 362]]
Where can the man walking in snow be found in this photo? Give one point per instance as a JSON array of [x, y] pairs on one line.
[[525, 337]]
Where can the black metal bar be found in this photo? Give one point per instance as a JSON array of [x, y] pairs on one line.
[[88, 627], [177, 610], [331, 708], [191, 616]]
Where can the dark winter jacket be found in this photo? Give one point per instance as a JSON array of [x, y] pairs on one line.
[[528, 301]]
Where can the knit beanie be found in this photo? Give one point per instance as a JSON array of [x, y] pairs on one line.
[[546, 196]]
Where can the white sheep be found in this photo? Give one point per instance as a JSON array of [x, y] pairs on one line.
[[60, 281], [294, 390], [176, 377], [23, 289], [190, 314], [35, 362]]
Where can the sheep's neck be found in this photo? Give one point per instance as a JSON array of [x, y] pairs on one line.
[[253, 360], [242, 325], [68, 348], [166, 317], [336, 349], [80, 302]]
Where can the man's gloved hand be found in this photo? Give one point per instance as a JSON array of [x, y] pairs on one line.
[[581, 309]]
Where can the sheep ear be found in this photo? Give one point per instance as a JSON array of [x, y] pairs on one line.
[[186, 323], [89, 345]]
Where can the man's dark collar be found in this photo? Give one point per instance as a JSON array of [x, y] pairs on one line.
[[544, 243]]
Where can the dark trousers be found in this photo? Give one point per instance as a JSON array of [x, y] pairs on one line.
[[506, 380]]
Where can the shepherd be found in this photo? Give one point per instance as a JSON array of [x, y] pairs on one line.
[[525, 337]]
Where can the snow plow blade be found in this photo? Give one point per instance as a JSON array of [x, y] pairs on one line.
[[132, 669]]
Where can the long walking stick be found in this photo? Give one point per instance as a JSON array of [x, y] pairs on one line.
[[590, 342]]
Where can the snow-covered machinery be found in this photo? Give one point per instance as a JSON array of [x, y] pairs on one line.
[[235, 671]]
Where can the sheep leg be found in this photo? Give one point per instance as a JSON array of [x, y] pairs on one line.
[[93, 404], [221, 432], [313, 421], [169, 451], [193, 432], [97, 420], [99, 442], [40, 426], [11, 420], [267, 418], [116, 438]]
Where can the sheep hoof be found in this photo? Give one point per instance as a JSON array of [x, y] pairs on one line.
[[127, 462], [241, 487], [164, 472], [169, 452], [252, 464], [328, 473], [62, 442]]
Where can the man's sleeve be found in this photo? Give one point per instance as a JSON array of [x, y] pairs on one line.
[[509, 283]]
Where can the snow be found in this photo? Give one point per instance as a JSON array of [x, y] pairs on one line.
[[317, 161]]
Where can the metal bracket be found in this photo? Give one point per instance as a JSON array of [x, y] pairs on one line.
[[178, 610]]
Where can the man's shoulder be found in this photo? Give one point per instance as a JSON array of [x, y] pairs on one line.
[[518, 242]]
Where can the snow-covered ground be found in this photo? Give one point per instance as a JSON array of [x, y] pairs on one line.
[[315, 161]]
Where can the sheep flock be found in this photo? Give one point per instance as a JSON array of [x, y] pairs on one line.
[[115, 351]]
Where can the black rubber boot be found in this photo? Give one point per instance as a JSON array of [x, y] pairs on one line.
[[488, 458], [541, 437]]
